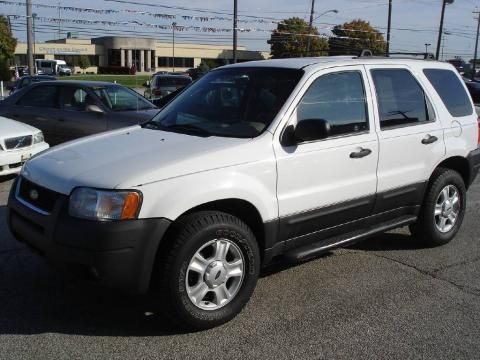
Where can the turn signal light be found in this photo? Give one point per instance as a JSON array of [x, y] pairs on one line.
[[130, 207]]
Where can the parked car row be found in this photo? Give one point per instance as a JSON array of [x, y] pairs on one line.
[[66, 110], [162, 85]]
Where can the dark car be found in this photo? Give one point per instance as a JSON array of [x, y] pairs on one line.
[[66, 110], [24, 81], [162, 85], [474, 89]]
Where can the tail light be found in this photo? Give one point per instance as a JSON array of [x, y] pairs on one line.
[[157, 92]]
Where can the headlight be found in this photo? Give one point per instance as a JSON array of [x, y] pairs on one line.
[[38, 138], [95, 204]]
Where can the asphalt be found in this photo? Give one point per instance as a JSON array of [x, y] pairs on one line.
[[386, 298]]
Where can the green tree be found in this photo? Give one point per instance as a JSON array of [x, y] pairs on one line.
[[350, 38], [290, 39], [83, 62], [7, 48]]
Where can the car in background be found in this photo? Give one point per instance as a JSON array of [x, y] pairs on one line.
[[474, 90], [24, 81], [18, 143], [64, 70], [67, 110], [162, 85]]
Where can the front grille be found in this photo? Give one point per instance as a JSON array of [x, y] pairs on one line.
[[16, 165], [38, 196], [18, 142]]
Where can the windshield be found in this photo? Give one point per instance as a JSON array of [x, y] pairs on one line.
[[119, 98], [231, 102]]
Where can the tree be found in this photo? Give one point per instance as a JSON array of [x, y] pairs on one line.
[[7, 49], [291, 37], [350, 38], [83, 62]]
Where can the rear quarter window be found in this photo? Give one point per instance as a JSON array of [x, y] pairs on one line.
[[451, 91]]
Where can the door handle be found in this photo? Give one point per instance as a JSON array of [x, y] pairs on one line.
[[15, 115], [61, 119], [429, 139], [40, 118], [360, 154]]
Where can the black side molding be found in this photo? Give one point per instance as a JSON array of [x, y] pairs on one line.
[[473, 159], [317, 248]]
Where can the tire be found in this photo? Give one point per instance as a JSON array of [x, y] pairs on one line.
[[430, 228], [179, 275]]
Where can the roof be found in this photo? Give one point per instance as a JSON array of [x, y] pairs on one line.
[[51, 77], [301, 63], [174, 76], [80, 82]]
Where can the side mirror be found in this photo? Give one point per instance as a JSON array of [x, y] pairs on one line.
[[306, 130], [94, 108]]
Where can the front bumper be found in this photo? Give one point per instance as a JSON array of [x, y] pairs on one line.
[[11, 161], [118, 254], [473, 159]]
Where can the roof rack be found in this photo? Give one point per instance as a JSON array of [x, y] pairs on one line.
[[424, 55]]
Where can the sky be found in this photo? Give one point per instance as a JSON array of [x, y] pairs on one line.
[[414, 22]]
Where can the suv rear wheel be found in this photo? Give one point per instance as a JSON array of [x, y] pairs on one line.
[[443, 208], [209, 271]]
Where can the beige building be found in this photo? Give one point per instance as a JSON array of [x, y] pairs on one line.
[[147, 55]]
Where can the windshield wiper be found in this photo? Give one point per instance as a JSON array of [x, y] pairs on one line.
[[182, 128], [190, 128]]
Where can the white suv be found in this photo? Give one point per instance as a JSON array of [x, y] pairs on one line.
[[285, 157]]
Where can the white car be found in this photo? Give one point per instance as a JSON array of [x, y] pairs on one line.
[[287, 157], [18, 143]]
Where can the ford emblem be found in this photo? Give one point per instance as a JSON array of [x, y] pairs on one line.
[[33, 194]]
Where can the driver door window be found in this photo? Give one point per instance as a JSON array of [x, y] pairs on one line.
[[339, 99]]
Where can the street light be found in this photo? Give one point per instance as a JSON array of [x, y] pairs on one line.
[[426, 48], [310, 25]]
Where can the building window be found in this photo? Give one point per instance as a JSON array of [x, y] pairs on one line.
[[180, 62], [114, 57]]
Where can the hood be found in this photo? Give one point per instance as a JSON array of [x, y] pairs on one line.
[[133, 157], [11, 128]]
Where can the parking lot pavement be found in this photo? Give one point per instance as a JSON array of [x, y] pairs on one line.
[[384, 298]]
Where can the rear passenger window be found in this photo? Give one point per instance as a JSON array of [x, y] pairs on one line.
[[401, 100], [450, 90], [40, 96], [339, 99]]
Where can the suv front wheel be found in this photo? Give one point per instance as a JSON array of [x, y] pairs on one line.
[[209, 271], [443, 208]]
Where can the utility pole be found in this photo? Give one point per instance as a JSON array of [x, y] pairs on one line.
[[476, 45], [440, 30], [173, 45], [31, 67], [59, 20], [9, 24], [310, 25], [235, 21], [389, 26]]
